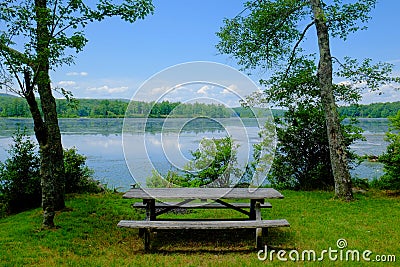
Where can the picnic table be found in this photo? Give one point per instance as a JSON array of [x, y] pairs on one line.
[[157, 201]]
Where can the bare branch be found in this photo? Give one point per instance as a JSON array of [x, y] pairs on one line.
[[14, 72], [54, 24]]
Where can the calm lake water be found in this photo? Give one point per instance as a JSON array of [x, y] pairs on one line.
[[100, 140]]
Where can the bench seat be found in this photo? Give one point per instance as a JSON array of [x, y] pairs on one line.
[[146, 227], [165, 225]]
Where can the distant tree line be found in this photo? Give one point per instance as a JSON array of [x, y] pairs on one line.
[[105, 108], [115, 108], [244, 112], [374, 110]]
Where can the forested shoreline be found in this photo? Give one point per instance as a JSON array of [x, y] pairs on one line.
[[115, 108], [11, 106], [374, 110]]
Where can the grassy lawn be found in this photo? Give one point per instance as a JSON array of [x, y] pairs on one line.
[[88, 236]]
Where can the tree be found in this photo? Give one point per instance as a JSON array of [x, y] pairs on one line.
[[302, 160], [37, 37], [268, 35], [213, 164]]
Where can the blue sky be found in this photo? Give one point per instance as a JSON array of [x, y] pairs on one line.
[[121, 56]]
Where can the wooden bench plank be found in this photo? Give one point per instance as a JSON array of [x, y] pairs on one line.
[[154, 225], [212, 205]]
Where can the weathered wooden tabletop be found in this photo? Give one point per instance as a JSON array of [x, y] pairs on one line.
[[202, 193]]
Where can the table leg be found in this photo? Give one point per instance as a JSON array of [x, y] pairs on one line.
[[259, 231], [253, 215], [146, 239], [150, 209], [150, 216], [252, 209]]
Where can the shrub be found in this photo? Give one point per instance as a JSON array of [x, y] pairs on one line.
[[391, 159], [20, 187], [171, 179], [213, 165], [78, 176], [20, 176], [360, 183]]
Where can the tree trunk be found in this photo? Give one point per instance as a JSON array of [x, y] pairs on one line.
[[46, 130], [337, 149]]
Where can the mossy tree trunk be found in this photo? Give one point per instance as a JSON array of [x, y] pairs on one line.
[[338, 154], [46, 129]]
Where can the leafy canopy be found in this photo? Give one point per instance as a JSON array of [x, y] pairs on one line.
[[269, 35], [65, 20]]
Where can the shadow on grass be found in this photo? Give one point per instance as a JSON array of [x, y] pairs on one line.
[[220, 241]]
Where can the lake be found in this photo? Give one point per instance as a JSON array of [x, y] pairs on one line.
[[101, 141]]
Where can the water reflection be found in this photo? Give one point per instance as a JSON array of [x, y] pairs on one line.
[[101, 141]]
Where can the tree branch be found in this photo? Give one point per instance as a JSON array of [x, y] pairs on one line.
[[283, 20], [355, 72], [39, 126], [296, 46], [14, 72], [54, 23], [15, 54], [58, 21]]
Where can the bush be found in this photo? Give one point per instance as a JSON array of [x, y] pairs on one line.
[[391, 159], [171, 179], [359, 183], [20, 176], [20, 187], [302, 159], [213, 165], [78, 177]]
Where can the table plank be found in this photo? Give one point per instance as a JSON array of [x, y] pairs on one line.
[[202, 193]]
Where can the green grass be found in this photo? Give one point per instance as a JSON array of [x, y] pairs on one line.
[[88, 236]]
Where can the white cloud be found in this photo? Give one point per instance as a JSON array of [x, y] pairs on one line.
[[158, 91], [77, 73], [107, 89], [242, 90], [387, 93], [66, 83], [233, 87], [203, 89], [345, 83], [226, 91]]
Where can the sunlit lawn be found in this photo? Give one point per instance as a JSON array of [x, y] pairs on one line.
[[88, 236]]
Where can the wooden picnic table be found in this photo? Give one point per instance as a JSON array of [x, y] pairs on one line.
[[156, 201]]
